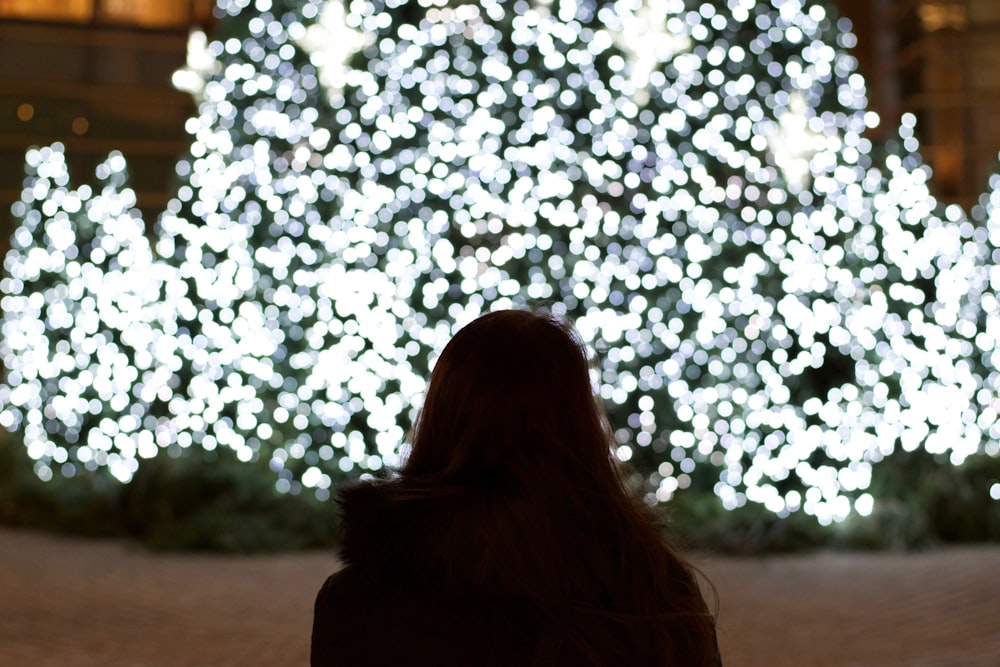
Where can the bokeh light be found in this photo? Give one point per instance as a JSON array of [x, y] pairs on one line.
[[776, 303]]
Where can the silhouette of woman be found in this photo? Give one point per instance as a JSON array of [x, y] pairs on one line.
[[508, 537]]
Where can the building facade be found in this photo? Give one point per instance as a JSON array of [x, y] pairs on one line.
[[940, 60], [96, 76]]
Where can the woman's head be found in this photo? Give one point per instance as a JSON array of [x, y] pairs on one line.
[[510, 396], [511, 460]]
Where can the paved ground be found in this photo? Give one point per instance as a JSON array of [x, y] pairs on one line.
[[83, 603]]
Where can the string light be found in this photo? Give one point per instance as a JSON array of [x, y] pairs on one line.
[[777, 304]]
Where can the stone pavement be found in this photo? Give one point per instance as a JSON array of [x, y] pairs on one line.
[[82, 603]]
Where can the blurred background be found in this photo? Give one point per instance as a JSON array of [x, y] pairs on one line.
[[100, 76], [108, 76], [97, 75]]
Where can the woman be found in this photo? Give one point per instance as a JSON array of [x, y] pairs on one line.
[[508, 537]]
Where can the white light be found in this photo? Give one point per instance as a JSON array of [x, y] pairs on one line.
[[864, 504], [646, 39], [330, 42], [771, 302], [201, 64], [794, 144]]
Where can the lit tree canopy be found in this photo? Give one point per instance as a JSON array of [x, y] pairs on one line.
[[82, 324], [776, 303]]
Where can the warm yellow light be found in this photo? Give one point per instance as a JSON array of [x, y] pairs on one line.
[[25, 112], [150, 13], [54, 10], [937, 15], [146, 13], [80, 125]]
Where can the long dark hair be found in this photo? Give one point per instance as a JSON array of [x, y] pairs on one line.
[[511, 430]]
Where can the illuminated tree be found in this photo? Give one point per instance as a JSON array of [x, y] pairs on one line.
[[690, 181], [966, 305], [82, 322]]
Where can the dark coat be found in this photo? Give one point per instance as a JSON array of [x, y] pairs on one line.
[[405, 597]]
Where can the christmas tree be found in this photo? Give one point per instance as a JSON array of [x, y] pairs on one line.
[[82, 322], [689, 181], [966, 305]]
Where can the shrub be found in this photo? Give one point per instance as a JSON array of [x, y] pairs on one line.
[[205, 502]]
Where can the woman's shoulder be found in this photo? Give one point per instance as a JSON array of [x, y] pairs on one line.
[[339, 586], [363, 619]]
